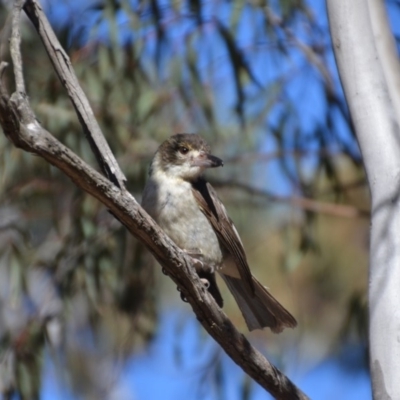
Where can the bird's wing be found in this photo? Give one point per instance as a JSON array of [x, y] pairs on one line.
[[215, 212]]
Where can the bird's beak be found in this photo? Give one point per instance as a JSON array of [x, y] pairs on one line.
[[205, 160]]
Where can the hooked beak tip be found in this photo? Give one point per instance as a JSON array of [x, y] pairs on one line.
[[215, 161], [208, 161]]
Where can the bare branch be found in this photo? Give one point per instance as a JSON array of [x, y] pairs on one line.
[[337, 210], [311, 55], [15, 43], [65, 71], [253, 157], [21, 127]]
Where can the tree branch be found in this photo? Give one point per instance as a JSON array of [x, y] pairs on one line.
[[320, 207], [367, 89], [65, 72], [387, 51], [21, 127]]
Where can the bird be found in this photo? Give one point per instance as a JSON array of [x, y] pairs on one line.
[[179, 198]]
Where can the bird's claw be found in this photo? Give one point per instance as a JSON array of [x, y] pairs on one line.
[[198, 265], [196, 255], [205, 282], [183, 298]]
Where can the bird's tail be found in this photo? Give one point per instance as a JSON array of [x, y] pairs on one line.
[[260, 309]]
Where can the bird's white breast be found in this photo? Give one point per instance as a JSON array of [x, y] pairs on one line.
[[170, 201]]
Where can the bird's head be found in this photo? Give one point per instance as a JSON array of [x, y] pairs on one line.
[[185, 156]]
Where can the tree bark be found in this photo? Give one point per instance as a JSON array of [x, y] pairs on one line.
[[368, 93]]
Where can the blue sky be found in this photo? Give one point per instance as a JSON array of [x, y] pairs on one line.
[[182, 364]]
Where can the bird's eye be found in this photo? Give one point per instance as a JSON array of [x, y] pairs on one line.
[[183, 150]]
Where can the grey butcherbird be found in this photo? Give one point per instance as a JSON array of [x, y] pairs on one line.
[[187, 208]]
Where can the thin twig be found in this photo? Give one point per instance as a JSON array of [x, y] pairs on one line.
[[312, 56], [66, 73], [337, 210], [15, 43]]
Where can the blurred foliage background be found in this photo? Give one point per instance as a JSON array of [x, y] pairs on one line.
[[257, 79]]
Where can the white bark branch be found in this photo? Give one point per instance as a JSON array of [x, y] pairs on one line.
[[387, 51], [377, 128]]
